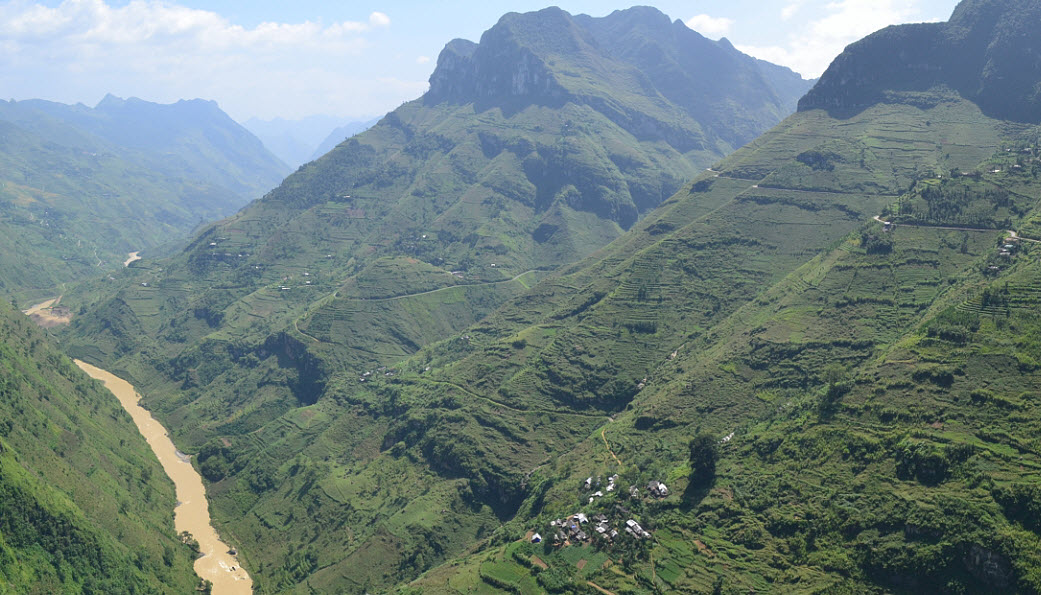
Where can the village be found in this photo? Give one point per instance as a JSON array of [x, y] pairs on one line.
[[580, 528]]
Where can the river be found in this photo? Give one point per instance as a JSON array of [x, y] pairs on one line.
[[192, 513]]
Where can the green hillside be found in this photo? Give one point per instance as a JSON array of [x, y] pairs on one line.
[[82, 187], [824, 346], [84, 505], [413, 464], [450, 205]]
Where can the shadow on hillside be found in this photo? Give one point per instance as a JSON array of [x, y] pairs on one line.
[[695, 493]]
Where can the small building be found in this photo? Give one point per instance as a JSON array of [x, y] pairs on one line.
[[536, 538], [657, 489]]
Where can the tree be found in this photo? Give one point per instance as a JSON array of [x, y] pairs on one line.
[[704, 453]]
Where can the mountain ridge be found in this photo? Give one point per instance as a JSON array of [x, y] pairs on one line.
[[987, 53]]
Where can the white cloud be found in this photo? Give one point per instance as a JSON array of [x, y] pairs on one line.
[[710, 26], [422, 59], [379, 19], [790, 9], [163, 52], [811, 47]]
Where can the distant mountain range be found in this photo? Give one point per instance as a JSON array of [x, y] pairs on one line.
[[296, 142], [340, 135], [82, 187]]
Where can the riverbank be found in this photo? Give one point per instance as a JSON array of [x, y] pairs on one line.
[[192, 513]]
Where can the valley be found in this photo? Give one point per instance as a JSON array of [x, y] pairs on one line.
[[215, 564], [571, 321]]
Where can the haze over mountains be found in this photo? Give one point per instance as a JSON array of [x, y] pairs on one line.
[[465, 349], [84, 186], [296, 142]]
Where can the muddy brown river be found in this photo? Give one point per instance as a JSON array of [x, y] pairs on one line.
[[192, 513]]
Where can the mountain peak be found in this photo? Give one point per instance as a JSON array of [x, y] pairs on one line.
[[110, 101], [989, 52]]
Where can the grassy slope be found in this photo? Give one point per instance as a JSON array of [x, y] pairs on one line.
[[916, 474], [84, 505], [445, 192], [412, 468]]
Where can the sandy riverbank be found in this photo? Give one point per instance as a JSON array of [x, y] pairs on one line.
[[49, 314], [192, 513]]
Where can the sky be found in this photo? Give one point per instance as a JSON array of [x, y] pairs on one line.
[[295, 58]]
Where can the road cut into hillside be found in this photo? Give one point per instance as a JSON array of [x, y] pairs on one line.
[[192, 513]]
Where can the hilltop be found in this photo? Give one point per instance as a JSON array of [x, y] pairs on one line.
[[986, 53]]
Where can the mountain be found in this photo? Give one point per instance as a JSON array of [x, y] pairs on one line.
[[988, 53], [340, 134], [82, 187], [466, 202], [298, 141], [191, 138], [84, 504], [318, 349]]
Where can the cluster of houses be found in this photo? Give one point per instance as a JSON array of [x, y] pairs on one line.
[[371, 373], [1008, 247], [611, 486], [580, 528], [655, 488]]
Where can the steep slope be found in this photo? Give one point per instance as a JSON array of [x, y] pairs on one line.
[[988, 52], [341, 134], [411, 464], [82, 187], [871, 391], [531, 149], [84, 505], [874, 412]]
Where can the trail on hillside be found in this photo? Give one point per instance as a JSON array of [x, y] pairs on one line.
[[603, 434]]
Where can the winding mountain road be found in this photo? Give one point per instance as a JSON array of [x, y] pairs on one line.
[[1010, 232]]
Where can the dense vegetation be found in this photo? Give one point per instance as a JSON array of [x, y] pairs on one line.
[[419, 227], [84, 505], [835, 403]]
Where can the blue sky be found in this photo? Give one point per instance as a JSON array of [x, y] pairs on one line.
[[294, 58]]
